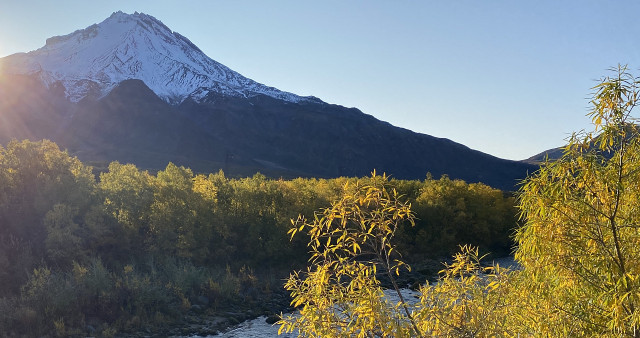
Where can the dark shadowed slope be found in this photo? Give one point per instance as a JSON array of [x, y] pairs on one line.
[[130, 89]]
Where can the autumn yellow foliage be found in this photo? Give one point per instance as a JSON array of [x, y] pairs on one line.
[[578, 251]]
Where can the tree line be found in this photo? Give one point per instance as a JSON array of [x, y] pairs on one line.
[[120, 244]]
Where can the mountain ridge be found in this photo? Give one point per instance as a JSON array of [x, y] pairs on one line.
[[105, 116]]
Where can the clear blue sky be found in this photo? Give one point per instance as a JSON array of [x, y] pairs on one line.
[[509, 78]]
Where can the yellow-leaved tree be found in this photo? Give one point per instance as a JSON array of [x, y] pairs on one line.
[[580, 246], [351, 243]]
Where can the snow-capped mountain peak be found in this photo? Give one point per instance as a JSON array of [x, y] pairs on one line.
[[92, 61]]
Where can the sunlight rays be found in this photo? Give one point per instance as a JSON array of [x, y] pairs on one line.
[[23, 107]]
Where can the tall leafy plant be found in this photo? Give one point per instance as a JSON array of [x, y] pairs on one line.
[[351, 243], [581, 240]]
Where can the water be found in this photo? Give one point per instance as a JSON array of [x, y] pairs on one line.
[[259, 328], [255, 328]]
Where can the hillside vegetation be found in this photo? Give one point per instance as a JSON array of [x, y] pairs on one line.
[[82, 253]]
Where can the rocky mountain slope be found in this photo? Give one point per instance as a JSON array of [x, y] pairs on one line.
[[130, 89]]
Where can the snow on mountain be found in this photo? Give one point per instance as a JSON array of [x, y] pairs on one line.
[[92, 61]]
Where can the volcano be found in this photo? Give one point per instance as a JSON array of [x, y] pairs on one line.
[[132, 90]]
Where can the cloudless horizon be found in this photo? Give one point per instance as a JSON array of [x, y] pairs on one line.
[[507, 78]]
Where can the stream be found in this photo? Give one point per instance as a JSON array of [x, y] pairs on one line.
[[260, 328]]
